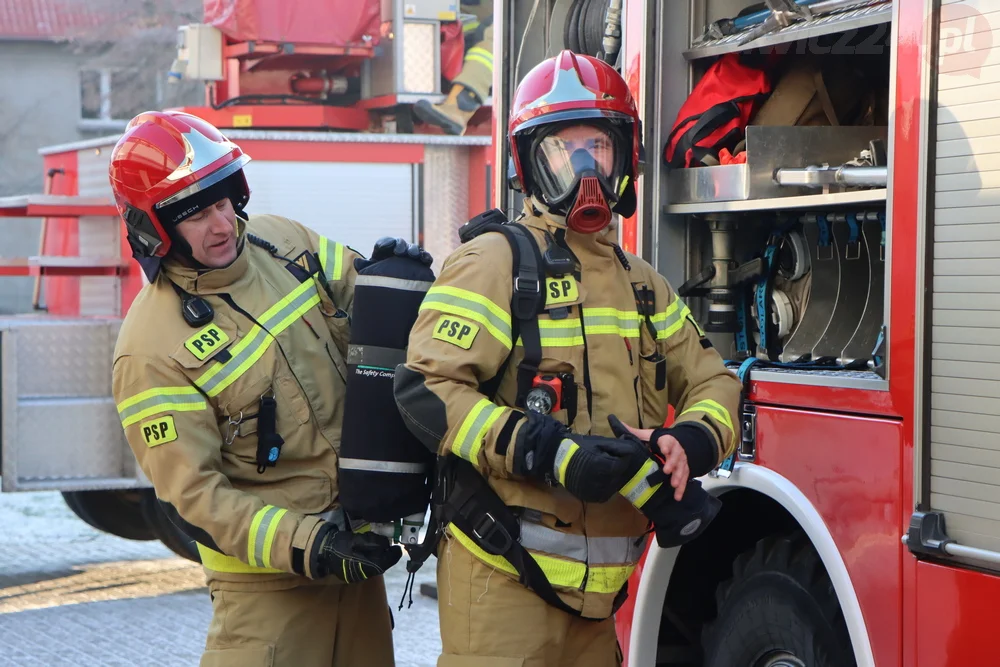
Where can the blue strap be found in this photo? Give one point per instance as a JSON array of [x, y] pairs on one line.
[[742, 336], [743, 373], [852, 222], [824, 231], [763, 291]]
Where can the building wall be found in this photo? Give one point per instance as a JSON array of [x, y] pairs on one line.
[[39, 106]]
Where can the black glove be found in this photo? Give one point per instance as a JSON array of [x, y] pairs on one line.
[[591, 467], [352, 557], [387, 247], [675, 522]]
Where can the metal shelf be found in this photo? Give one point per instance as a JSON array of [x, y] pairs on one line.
[[872, 13], [781, 203], [56, 206]]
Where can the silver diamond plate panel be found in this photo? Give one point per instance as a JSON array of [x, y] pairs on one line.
[[92, 171], [58, 419], [59, 359], [420, 57], [69, 438], [445, 199]]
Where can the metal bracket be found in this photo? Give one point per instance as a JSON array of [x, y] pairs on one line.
[[748, 432], [926, 535]]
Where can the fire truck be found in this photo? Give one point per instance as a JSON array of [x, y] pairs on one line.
[[320, 96], [861, 513]]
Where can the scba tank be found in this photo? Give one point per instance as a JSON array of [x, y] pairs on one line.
[[386, 474]]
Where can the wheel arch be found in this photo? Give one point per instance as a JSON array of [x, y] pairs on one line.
[[753, 490]]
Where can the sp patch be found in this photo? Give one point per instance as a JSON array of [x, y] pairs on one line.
[[206, 341], [158, 431], [561, 290], [456, 331]]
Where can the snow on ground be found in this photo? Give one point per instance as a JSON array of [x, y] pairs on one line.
[[72, 595]]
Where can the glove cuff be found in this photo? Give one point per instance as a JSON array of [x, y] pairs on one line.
[[697, 443], [536, 445], [316, 569]]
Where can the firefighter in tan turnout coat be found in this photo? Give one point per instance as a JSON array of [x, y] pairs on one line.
[[229, 381], [611, 338]]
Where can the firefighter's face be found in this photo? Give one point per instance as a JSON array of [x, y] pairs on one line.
[[211, 233]]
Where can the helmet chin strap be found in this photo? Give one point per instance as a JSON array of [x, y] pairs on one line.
[[590, 212]]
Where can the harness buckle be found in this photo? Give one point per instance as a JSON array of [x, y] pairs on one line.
[[531, 285], [486, 529]]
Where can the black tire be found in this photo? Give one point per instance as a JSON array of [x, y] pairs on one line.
[[167, 532], [118, 512], [778, 609]]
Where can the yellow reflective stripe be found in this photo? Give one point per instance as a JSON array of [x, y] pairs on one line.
[[219, 562], [483, 53], [259, 543], [715, 410], [559, 333], [472, 58], [608, 578], [161, 399], [611, 321], [249, 350], [567, 448], [469, 438], [638, 490], [332, 269], [272, 530], [461, 302], [671, 320], [558, 572], [470, 26]]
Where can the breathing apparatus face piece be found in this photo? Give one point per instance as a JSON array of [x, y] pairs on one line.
[[579, 171]]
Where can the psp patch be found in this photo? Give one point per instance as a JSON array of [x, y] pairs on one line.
[[206, 341], [561, 290], [456, 331], [158, 431]]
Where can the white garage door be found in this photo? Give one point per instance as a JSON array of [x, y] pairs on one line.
[[350, 203]]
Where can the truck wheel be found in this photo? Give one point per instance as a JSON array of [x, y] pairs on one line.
[[172, 537], [778, 610], [118, 512]]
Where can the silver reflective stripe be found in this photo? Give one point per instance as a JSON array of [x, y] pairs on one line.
[[393, 283], [372, 355], [590, 550], [566, 448], [640, 486], [258, 545], [166, 400], [384, 466], [542, 538]]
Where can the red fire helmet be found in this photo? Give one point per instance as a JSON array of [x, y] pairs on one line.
[[570, 87], [167, 166]]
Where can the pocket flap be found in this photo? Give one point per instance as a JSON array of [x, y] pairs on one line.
[[452, 660]]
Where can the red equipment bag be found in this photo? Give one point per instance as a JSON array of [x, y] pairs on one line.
[[716, 114], [452, 49]]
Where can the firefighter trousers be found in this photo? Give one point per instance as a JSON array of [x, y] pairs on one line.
[[488, 619], [317, 624]]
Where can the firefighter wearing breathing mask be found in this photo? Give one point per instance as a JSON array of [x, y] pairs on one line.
[[534, 349]]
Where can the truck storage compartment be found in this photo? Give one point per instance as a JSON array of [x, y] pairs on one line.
[[55, 393], [781, 205]]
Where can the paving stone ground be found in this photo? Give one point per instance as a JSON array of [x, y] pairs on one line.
[[73, 596]]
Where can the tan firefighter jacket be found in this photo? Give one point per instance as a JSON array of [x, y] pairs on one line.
[[188, 397], [464, 334]]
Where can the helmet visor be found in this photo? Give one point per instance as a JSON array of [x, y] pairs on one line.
[[561, 157]]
